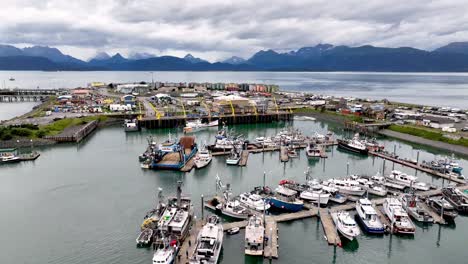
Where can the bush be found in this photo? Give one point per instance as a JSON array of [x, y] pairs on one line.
[[6, 136], [21, 132], [41, 133]]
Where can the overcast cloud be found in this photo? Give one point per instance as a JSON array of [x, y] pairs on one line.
[[219, 29]]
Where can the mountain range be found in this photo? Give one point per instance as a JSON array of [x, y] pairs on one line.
[[323, 57]]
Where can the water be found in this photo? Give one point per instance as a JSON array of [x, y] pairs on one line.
[[440, 89], [84, 203]]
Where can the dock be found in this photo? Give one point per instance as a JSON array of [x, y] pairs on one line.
[[239, 224], [380, 214], [284, 154], [271, 231], [188, 166], [188, 247], [244, 157], [75, 133], [329, 227], [29, 156], [417, 167], [437, 218], [295, 216]]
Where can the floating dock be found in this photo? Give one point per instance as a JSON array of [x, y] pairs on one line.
[[417, 167], [244, 158], [284, 154], [271, 231], [188, 247], [329, 227], [437, 218], [29, 156]]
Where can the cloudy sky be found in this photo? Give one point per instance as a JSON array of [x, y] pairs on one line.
[[219, 29]]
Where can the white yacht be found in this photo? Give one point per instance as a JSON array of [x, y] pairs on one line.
[[370, 186], [165, 254], [253, 201], [9, 158], [313, 151], [202, 158], [233, 209], [398, 217], [254, 236], [353, 145], [197, 125], [315, 194], [209, 243], [408, 180], [346, 186], [346, 225], [368, 218]]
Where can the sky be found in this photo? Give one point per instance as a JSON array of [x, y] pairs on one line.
[[215, 30]]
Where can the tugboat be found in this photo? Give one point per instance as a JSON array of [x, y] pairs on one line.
[[346, 225], [441, 206], [254, 236], [285, 199], [399, 219], [209, 243], [368, 218], [353, 145], [456, 198]]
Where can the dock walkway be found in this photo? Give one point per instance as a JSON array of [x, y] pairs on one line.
[[437, 218], [271, 247], [188, 247], [284, 154], [189, 165], [329, 227], [244, 157]]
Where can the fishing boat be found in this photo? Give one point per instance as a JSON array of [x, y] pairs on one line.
[[9, 158], [209, 243], [353, 145], [254, 236], [399, 219], [443, 207], [145, 237], [368, 218], [165, 254], [346, 186], [197, 125], [233, 209], [233, 158], [202, 158], [131, 125], [313, 150], [285, 199], [370, 186], [253, 201], [292, 153], [407, 180], [456, 198], [412, 206], [346, 225]]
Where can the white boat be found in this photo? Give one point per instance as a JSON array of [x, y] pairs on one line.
[[224, 144], [399, 219], [292, 153], [202, 158], [346, 186], [412, 206], [319, 138], [313, 151], [209, 243], [233, 209], [346, 225], [165, 254], [131, 125], [9, 158], [197, 125], [408, 180], [335, 196], [254, 236], [145, 237], [368, 217], [315, 194], [370, 186], [233, 231], [233, 158], [254, 201]]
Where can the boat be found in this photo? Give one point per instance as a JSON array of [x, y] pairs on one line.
[[11, 79], [254, 236], [313, 150], [315, 195], [131, 125], [408, 180], [145, 238], [166, 254], [304, 118], [233, 231], [233, 209], [319, 138], [353, 145], [292, 153], [209, 243], [198, 125], [335, 196], [253, 201], [368, 218], [285, 199], [399, 219], [443, 207], [346, 186], [233, 158], [202, 158], [370, 186], [9, 158], [411, 204], [346, 225], [172, 156], [456, 198]]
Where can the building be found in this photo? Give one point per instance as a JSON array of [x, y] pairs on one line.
[[227, 104], [437, 122], [128, 99]]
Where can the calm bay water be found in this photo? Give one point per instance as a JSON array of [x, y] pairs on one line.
[[84, 203]]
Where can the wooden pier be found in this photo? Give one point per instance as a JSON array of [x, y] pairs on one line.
[[244, 158], [329, 228], [29, 156], [189, 165], [284, 154], [188, 247], [75, 134], [381, 215], [417, 167], [271, 231]]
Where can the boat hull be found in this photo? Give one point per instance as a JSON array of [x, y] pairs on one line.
[[285, 205], [369, 229]]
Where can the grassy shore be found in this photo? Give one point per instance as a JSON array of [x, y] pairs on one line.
[[428, 134], [54, 128], [309, 110]]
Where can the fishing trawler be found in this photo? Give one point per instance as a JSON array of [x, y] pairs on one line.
[[285, 199], [353, 145], [254, 236], [411, 204], [209, 243], [456, 198], [234, 157], [442, 207]]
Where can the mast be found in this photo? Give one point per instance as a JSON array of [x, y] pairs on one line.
[[179, 193]]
